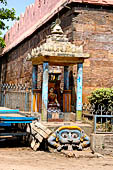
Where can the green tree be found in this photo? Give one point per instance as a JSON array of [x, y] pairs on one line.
[[5, 14]]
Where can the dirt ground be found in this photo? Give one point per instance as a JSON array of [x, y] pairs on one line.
[[23, 158]]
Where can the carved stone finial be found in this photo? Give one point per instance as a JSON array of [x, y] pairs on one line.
[[56, 28]]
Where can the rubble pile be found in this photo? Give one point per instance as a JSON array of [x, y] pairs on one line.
[[37, 133]]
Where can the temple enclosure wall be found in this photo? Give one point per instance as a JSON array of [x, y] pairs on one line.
[[87, 25]]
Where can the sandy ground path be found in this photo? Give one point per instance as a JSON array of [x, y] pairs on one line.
[[26, 159]]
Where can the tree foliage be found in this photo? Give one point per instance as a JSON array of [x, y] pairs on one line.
[[5, 14]]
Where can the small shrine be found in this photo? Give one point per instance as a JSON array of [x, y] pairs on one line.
[[56, 51]]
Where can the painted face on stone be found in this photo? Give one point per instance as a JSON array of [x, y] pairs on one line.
[[68, 136]]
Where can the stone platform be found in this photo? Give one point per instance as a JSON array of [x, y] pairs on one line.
[[54, 125], [69, 119]]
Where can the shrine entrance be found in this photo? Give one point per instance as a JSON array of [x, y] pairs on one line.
[[57, 51]]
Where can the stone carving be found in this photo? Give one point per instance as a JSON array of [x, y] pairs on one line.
[[69, 138]]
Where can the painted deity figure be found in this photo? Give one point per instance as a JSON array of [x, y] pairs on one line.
[[69, 138], [52, 98], [54, 111]]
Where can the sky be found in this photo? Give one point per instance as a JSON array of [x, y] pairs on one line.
[[19, 6]]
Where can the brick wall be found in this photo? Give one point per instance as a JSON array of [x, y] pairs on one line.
[[35, 14], [18, 70], [38, 13], [102, 143], [82, 25], [93, 28]]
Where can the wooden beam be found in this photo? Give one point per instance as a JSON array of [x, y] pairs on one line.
[[57, 60]]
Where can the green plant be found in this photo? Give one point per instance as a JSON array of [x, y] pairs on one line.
[[102, 96]]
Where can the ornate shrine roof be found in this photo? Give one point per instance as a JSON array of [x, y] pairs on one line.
[[57, 50]]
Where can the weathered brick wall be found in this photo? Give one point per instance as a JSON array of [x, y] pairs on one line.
[[37, 13], [18, 70], [90, 27], [102, 143], [93, 28]]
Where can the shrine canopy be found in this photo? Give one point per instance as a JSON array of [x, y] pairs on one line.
[[57, 50]]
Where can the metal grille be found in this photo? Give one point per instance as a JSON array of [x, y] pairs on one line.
[[105, 125], [102, 115], [101, 109]]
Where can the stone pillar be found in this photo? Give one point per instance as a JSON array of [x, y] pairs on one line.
[[34, 82], [34, 77], [79, 91], [66, 77], [45, 91]]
